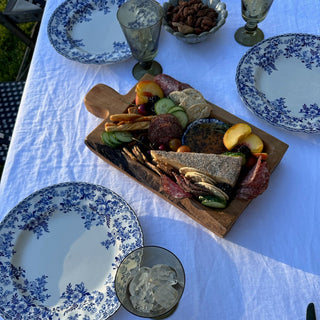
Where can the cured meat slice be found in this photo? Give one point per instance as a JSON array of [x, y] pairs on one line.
[[188, 186], [169, 84], [256, 181], [173, 189]]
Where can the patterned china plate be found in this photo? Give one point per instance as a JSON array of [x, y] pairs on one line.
[[279, 80], [60, 250], [87, 31]]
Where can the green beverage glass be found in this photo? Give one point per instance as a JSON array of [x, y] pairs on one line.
[[253, 12], [140, 21]]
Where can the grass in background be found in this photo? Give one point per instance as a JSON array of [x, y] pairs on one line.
[[11, 49]]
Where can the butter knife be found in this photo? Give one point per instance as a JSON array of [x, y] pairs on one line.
[[311, 313]]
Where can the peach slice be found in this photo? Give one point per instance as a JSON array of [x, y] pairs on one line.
[[253, 142], [145, 89], [235, 134]]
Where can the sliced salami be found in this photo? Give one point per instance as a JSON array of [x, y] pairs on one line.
[[173, 189], [188, 186], [256, 181], [169, 84]]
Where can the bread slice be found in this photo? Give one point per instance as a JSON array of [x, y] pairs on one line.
[[221, 168]]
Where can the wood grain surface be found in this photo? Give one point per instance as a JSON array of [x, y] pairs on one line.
[[103, 101]]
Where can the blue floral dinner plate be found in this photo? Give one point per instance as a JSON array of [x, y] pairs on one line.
[[87, 31], [279, 80], [59, 252]]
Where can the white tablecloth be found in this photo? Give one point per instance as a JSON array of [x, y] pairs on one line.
[[268, 266]]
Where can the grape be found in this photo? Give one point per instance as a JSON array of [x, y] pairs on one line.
[[174, 144], [245, 150], [143, 109], [153, 99]]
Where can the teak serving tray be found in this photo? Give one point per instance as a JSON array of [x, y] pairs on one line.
[[103, 101]]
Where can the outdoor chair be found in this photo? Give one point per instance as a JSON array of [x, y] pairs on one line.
[[10, 97], [23, 11]]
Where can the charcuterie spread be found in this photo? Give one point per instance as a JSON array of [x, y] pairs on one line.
[[170, 129], [162, 110]]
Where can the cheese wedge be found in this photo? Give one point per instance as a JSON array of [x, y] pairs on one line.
[[221, 168]]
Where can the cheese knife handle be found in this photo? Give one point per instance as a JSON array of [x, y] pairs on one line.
[[311, 313]]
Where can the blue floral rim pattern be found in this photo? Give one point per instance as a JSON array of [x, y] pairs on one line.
[[89, 213], [74, 13], [267, 59]]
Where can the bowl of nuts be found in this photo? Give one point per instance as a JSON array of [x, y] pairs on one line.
[[193, 21]]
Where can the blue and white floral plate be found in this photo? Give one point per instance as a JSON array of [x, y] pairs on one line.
[[87, 31], [60, 250], [279, 80]]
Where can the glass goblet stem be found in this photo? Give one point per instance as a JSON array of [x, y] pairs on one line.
[[141, 68], [251, 26], [146, 64]]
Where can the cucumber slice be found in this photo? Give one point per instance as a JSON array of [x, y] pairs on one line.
[[182, 117], [113, 138], [236, 154], [123, 136], [105, 139], [110, 141], [163, 105], [213, 202], [176, 108]]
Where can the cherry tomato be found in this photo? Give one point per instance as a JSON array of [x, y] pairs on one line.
[[183, 148], [174, 144]]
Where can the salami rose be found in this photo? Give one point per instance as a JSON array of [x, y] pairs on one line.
[[256, 181], [169, 84], [173, 189]]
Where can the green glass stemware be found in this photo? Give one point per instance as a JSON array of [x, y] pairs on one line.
[[141, 21]]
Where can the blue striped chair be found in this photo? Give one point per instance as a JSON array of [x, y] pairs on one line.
[[10, 97]]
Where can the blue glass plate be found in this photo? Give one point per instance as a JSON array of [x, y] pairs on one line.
[[60, 250], [88, 31], [279, 80]]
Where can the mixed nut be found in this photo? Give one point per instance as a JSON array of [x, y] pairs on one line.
[[191, 17]]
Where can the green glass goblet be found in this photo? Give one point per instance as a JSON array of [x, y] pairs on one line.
[[140, 21], [253, 12]]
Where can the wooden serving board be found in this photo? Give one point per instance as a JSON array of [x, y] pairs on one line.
[[103, 101]]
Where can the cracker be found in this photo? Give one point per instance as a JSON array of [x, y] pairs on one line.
[[124, 117], [189, 101], [138, 154], [144, 118], [198, 111], [177, 96], [213, 190], [194, 93], [129, 154], [133, 110], [199, 177], [141, 125]]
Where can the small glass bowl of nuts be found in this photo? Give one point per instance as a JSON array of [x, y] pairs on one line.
[[193, 21]]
